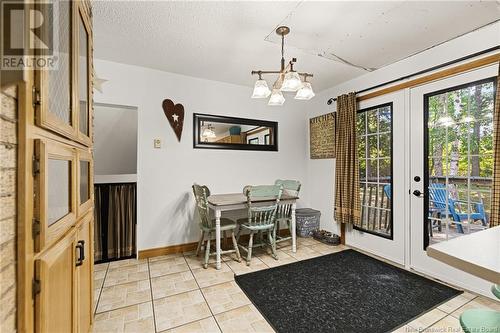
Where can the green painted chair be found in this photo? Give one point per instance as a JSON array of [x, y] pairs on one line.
[[261, 219], [481, 320], [207, 225], [284, 212]]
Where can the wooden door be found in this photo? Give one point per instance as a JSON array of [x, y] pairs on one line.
[[55, 240], [84, 273], [54, 303]]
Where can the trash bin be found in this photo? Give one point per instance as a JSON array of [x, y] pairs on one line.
[[307, 220]]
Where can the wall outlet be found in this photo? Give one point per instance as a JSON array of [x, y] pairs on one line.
[[157, 143]]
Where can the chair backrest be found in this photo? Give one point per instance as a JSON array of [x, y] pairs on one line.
[[437, 195], [388, 191], [290, 187], [263, 215], [201, 193]]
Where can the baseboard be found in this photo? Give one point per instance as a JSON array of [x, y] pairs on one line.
[[171, 249], [161, 251]]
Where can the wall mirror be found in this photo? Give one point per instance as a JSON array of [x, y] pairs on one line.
[[221, 132]]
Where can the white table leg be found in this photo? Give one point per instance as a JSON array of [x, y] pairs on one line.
[[294, 230], [217, 238]]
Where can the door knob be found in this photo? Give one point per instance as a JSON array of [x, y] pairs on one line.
[[419, 194]]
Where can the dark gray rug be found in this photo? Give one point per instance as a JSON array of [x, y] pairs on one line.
[[341, 292]]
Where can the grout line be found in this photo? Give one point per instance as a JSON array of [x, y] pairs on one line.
[[100, 290], [203, 295], [123, 307], [152, 299], [189, 322]]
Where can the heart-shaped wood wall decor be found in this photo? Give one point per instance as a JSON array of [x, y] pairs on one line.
[[175, 116]]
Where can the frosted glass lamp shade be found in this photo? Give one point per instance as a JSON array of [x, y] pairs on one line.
[[305, 93], [277, 98], [261, 90], [291, 82]]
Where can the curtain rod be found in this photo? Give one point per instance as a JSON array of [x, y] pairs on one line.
[[491, 49]]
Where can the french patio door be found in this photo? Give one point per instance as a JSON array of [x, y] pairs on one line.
[[381, 152], [451, 125]]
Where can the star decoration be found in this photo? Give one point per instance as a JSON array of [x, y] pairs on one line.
[[175, 117], [98, 83]]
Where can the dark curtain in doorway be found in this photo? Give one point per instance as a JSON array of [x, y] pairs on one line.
[[115, 221]]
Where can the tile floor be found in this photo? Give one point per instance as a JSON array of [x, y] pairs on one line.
[[174, 293]]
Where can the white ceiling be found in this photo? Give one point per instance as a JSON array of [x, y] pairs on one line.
[[226, 40]]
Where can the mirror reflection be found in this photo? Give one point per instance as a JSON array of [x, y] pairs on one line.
[[215, 132], [223, 132]]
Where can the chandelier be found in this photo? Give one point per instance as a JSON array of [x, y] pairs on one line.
[[288, 79]]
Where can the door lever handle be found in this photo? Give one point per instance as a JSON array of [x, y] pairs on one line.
[[419, 194], [80, 246]]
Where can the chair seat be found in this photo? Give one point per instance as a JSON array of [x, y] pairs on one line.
[[480, 320], [244, 224], [225, 224]]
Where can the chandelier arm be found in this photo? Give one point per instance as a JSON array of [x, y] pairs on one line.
[[265, 72]]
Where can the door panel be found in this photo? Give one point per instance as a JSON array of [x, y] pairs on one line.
[[55, 302], [55, 191], [444, 136], [84, 273], [380, 146]]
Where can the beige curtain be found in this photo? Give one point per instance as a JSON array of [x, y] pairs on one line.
[[115, 221], [347, 201], [495, 199]]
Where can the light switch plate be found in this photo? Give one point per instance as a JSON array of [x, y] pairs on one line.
[[157, 143]]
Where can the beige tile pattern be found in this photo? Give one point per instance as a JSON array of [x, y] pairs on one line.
[[283, 259], [241, 267], [224, 297], [478, 303], [427, 319], [243, 319], [122, 295], [180, 309], [456, 302], [211, 276], [135, 318], [126, 262], [171, 284], [165, 257], [220, 305], [126, 274], [168, 266], [303, 253], [207, 325], [447, 324]]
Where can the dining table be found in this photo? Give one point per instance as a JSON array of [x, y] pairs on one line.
[[236, 201]]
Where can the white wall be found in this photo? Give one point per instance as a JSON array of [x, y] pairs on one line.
[[115, 140], [321, 173], [165, 176]]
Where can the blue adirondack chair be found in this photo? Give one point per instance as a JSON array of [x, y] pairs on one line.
[[438, 197]]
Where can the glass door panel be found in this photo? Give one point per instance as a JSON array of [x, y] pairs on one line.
[[382, 229], [55, 110], [374, 126], [84, 78], [459, 134], [450, 167], [85, 182], [55, 187]]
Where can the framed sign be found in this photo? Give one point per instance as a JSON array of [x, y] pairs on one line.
[[322, 136]]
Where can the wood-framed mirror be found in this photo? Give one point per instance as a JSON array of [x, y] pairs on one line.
[[222, 132]]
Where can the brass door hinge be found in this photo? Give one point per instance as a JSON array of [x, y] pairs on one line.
[[36, 98], [35, 228], [36, 287]]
